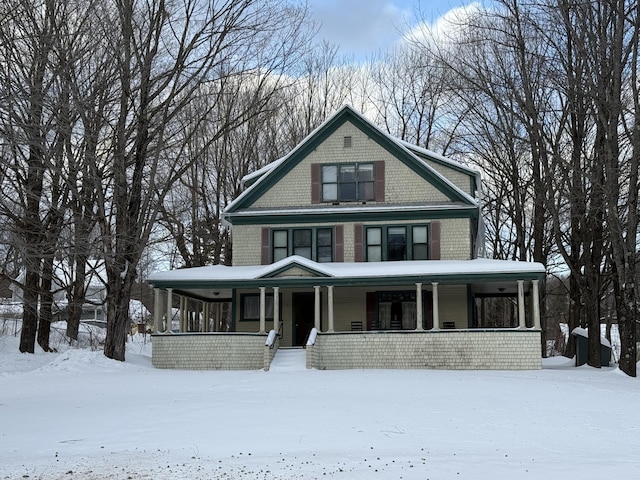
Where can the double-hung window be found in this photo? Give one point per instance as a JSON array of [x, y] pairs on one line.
[[312, 243], [348, 182], [398, 242]]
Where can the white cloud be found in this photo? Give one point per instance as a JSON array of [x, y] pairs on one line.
[[360, 27], [443, 27]]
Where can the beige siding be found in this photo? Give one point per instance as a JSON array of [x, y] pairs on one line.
[[453, 305], [444, 349], [402, 185], [459, 179], [246, 244], [455, 240]]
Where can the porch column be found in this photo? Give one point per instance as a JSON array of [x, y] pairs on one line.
[[169, 317], [330, 308], [436, 313], [263, 304], [183, 320], [157, 310], [316, 305], [419, 307], [205, 316], [276, 309], [521, 320], [536, 305]]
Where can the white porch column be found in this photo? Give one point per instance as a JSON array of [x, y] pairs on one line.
[[330, 308], [167, 323], [316, 310], [535, 299], [276, 309], [205, 316], [263, 308], [183, 320], [157, 310], [436, 313], [419, 306], [521, 319]]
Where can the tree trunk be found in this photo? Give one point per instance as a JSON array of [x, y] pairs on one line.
[[46, 304], [30, 312], [118, 321]]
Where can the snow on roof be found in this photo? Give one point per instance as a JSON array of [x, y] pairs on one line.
[[268, 167], [437, 157], [351, 269], [584, 332], [324, 209]]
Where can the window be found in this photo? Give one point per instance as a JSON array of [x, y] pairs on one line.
[[324, 245], [398, 242], [420, 242], [348, 182], [280, 245], [374, 244], [312, 243], [251, 307], [302, 243]]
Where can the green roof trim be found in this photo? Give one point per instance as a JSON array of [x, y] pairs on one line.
[[321, 134], [311, 217]]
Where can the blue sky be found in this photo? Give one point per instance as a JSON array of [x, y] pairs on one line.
[[361, 27]]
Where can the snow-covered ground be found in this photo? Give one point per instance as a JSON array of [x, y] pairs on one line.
[[76, 415]]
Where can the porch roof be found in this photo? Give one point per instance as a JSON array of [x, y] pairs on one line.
[[296, 271]]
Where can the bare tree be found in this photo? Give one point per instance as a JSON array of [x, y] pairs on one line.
[[164, 53], [26, 45]]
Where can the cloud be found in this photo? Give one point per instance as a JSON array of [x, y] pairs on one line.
[[444, 27], [360, 27]]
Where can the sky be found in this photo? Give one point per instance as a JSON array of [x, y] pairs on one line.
[[362, 27], [76, 415]]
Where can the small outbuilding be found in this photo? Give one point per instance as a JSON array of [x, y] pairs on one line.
[[581, 337]]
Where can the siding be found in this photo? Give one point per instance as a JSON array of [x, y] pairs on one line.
[[455, 240], [402, 185]]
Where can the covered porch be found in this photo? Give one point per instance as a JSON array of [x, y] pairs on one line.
[[352, 308]]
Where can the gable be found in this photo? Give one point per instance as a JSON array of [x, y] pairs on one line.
[[408, 178]]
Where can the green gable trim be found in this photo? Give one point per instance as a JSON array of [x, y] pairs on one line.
[[289, 266], [313, 217], [327, 129]]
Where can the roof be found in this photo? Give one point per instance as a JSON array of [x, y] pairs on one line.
[[260, 181], [346, 273]]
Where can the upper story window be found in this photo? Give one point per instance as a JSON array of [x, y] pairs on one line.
[[312, 243], [403, 242], [348, 182]]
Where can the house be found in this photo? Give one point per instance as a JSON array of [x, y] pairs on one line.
[[362, 248], [63, 275]]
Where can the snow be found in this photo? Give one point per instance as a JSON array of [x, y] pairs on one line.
[[479, 266], [78, 415]]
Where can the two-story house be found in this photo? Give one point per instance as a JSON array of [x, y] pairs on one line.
[[362, 248]]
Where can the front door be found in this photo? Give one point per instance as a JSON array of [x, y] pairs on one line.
[[303, 317]]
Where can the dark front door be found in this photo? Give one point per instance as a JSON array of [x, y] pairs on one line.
[[303, 312]]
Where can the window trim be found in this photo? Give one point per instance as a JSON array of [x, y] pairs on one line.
[[268, 296], [384, 240], [314, 241], [337, 183]]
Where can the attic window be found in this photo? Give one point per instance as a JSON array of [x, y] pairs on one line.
[[348, 182], [347, 142]]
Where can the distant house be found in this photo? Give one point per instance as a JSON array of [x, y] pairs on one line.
[[361, 248]]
